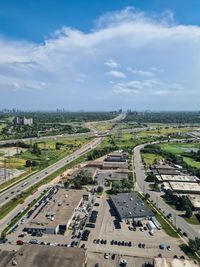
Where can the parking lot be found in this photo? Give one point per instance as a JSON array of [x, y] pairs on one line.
[[94, 258], [106, 238]]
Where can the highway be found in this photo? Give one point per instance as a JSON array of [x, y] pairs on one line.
[[35, 178], [8, 194], [2, 142], [142, 186]]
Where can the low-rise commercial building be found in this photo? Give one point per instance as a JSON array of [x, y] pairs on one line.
[[130, 206], [45, 256], [185, 188], [56, 214], [194, 201], [177, 178]]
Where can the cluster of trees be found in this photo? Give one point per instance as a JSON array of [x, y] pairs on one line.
[[100, 152], [194, 244], [62, 116], [194, 155], [163, 117], [30, 163], [17, 144], [180, 202], [151, 178], [39, 129], [125, 185], [84, 177]]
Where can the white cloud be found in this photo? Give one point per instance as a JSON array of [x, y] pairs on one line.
[[111, 64], [164, 56], [140, 72], [117, 74]]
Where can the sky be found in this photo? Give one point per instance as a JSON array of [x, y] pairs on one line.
[[100, 54]]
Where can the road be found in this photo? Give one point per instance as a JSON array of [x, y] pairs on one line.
[[142, 186], [44, 138], [35, 178]]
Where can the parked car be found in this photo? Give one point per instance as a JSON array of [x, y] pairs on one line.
[[19, 242]]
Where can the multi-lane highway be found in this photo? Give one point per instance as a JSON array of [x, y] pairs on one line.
[[23, 185], [191, 230]]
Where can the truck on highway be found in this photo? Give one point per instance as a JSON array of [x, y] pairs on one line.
[[24, 184]]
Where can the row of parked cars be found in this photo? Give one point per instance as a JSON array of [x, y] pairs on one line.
[[121, 243], [85, 235], [100, 241], [93, 216]]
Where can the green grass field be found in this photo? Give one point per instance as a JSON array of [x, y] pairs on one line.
[[193, 220], [177, 148], [192, 162], [149, 158]]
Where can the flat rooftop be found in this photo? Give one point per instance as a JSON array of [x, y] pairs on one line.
[[179, 178], [119, 175], [115, 165], [45, 256], [130, 205], [195, 200], [61, 207], [178, 186]]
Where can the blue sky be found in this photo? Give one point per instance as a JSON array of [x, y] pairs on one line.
[[100, 55]]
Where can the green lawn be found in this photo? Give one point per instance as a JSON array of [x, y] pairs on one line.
[[177, 148], [191, 162], [150, 158], [193, 220]]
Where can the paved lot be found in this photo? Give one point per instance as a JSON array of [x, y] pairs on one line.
[[105, 230], [94, 258]]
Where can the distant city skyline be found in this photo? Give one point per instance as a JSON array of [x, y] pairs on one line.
[[87, 55]]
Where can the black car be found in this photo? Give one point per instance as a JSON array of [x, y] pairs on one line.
[[90, 225], [113, 256]]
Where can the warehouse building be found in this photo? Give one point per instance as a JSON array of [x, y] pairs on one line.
[[194, 201], [185, 188], [56, 214], [177, 178], [45, 256], [130, 206], [117, 156]]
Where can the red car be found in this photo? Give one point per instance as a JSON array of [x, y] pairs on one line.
[[19, 242]]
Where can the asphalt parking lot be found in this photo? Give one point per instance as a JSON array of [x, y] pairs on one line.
[[105, 229], [94, 258]]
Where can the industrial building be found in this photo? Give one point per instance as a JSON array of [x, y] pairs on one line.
[[45, 256], [57, 213], [185, 188], [177, 178], [130, 206], [165, 169], [194, 201], [117, 156]]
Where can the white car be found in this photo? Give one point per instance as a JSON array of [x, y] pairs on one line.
[[106, 256]]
